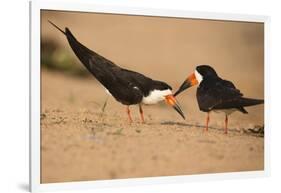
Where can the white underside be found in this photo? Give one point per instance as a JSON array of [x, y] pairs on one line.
[[156, 96], [107, 92]]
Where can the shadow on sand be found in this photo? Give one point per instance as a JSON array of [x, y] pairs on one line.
[[257, 131]]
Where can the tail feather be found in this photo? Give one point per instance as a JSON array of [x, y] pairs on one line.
[[81, 51], [238, 103], [250, 102], [57, 27], [242, 110], [94, 62]]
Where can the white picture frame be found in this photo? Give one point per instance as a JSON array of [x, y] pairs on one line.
[[36, 6]]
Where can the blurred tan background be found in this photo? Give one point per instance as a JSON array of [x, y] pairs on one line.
[[166, 49]]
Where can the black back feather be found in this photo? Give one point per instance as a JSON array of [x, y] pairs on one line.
[[215, 93], [126, 86]]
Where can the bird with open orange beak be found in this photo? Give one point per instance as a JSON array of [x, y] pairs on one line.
[[216, 94], [126, 86]]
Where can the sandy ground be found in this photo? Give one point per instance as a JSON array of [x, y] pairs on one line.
[[81, 142]]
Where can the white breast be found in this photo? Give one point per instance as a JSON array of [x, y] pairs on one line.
[[156, 96]]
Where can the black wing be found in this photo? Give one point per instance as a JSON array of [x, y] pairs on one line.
[[102, 68], [217, 94], [117, 80], [95, 63], [105, 70]]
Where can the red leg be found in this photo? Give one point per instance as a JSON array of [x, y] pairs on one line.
[[141, 113], [129, 114], [226, 123], [207, 121]]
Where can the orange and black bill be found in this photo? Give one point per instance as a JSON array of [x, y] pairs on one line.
[[189, 82], [171, 100]]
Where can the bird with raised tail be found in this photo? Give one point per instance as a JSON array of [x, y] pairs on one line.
[[216, 94], [126, 86]]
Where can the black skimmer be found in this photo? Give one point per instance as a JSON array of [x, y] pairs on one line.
[[216, 94], [126, 86]]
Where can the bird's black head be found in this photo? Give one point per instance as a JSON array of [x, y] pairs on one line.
[[201, 72], [159, 91], [206, 71], [159, 85]]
